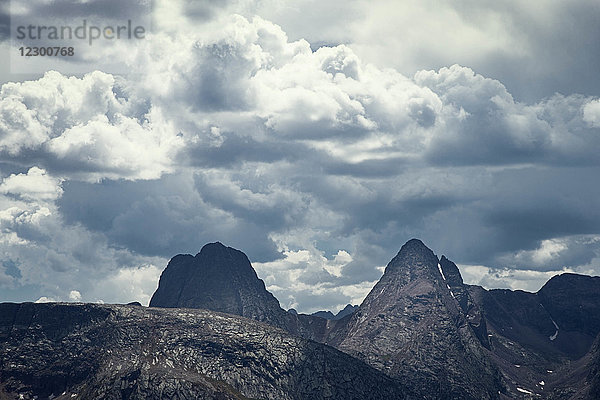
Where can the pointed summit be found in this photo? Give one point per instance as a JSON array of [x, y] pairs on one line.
[[414, 260], [411, 318]]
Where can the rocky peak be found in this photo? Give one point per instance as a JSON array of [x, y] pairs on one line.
[[221, 278], [218, 278], [451, 273], [412, 317], [413, 261], [572, 301]]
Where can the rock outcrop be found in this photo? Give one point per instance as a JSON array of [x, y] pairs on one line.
[[218, 278], [221, 278], [88, 351]]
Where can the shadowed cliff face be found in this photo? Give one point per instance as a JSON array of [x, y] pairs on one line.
[[129, 352], [218, 278], [221, 278]]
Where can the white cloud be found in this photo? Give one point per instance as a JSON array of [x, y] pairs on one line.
[[591, 113], [74, 295], [128, 285], [512, 279], [83, 124], [45, 299], [535, 50], [36, 184], [308, 281]]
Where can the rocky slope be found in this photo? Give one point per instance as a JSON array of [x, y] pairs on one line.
[[542, 341], [413, 327], [129, 352]]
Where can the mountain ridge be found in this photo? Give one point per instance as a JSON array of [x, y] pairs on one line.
[[420, 333]]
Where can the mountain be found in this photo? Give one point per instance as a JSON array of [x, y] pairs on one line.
[[89, 351], [349, 309], [221, 278], [323, 314], [422, 324], [215, 332], [412, 327], [544, 342], [218, 278]]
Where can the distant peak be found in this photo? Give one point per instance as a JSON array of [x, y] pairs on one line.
[[413, 257], [414, 242], [215, 248], [214, 245], [414, 245]]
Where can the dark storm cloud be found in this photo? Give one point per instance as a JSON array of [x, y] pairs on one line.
[[563, 50], [234, 149], [534, 204], [181, 222], [366, 169]]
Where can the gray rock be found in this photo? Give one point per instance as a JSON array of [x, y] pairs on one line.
[[88, 351], [412, 326]]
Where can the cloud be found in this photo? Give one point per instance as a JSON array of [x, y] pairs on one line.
[[307, 280], [534, 50], [83, 125], [43, 254], [36, 184], [591, 113], [317, 164], [74, 295]]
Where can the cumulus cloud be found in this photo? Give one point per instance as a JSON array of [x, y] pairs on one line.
[[307, 280], [43, 253], [591, 113], [317, 164], [74, 295], [536, 51], [82, 125], [35, 184]]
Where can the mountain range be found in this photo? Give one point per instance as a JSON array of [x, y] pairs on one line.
[[214, 331]]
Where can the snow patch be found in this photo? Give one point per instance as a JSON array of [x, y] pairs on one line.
[[555, 333], [524, 391], [448, 286], [441, 272]]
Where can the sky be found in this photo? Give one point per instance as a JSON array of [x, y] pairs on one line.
[[315, 136]]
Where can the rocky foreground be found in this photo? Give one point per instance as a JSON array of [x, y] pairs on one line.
[[85, 351]]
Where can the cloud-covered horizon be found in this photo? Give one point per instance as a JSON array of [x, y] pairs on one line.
[[316, 163]]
